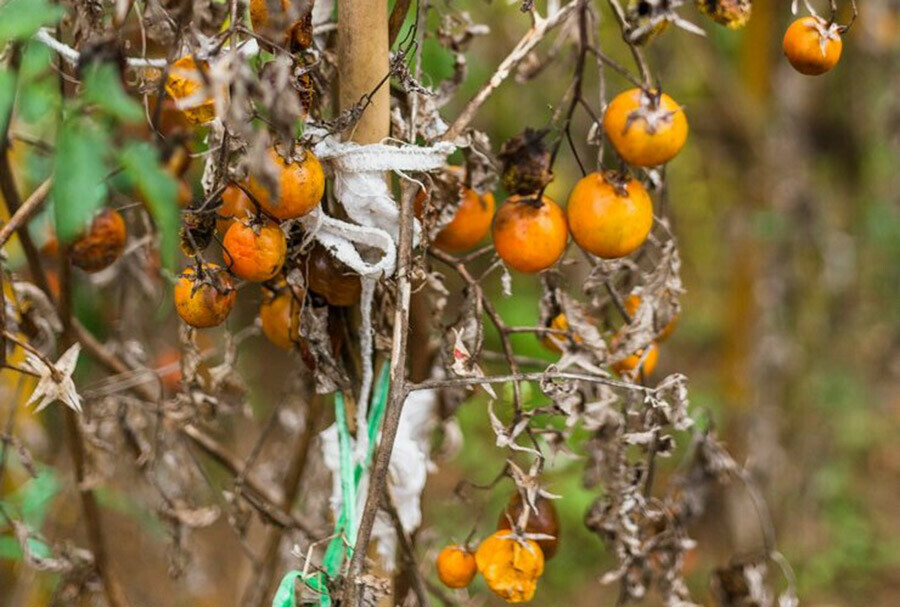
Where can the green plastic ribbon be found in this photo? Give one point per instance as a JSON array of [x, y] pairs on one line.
[[345, 529]]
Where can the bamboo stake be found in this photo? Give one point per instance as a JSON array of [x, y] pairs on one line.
[[363, 63]]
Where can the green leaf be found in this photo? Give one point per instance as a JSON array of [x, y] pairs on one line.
[[22, 18], [38, 101], [7, 95], [159, 190], [36, 497], [103, 87], [79, 174], [284, 596], [36, 61]]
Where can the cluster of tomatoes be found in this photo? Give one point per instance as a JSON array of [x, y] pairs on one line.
[[509, 561]]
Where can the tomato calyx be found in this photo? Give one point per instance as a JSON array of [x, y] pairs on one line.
[[202, 275], [828, 31], [651, 112], [619, 180]]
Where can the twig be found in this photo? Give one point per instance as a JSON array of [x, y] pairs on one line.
[[71, 55], [635, 51], [527, 43], [396, 398], [432, 384], [25, 212], [409, 554]]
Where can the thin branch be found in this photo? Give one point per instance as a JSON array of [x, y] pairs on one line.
[[396, 397], [527, 43], [25, 212], [406, 547], [534, 376]]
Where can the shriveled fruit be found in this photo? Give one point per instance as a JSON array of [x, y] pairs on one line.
[[302, 185], [330, 278], [185, 82], [470, 224], [235, 205], [633, 303], [730, 13], [609, 217], [511, 566], [280, 317], [630, 363], [456, 566], [102, 244], [647, 129], [545, 520], [530, 235], [812, 45], [255, 252], [204, 300], [195, 233], [526, 163]]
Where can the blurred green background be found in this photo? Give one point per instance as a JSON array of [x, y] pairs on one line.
[[785, 206]]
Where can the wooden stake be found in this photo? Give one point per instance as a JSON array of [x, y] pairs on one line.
[[363, 62]]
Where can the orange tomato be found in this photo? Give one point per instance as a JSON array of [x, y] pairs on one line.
[[280, 317], [302, 187], [470, 224], [530, 235], [633, 303], [645, 131], [255, 253], [235, 205], [608, 219], [812, 46], [630, 363], [210, 303], [456, 567]]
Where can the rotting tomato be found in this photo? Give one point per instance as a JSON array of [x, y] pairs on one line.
[[812, 45], [204, 300], [545, 520], [510, 565], [185, 81], [647, 129], [610, 216], [530, 235], [102, 244], [302, 184], [456, 566], [255, 252], [330, 278]]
